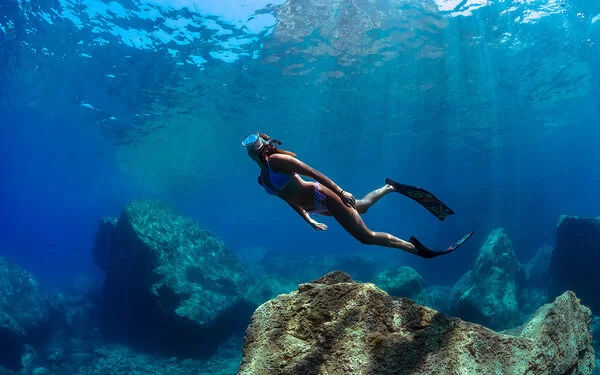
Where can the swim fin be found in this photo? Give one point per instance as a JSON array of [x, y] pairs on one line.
[[422, 197], [426, 253]]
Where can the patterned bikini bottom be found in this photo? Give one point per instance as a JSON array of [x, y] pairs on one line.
[[319, 200]]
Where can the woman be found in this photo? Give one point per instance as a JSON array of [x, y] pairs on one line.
[[280, 176]]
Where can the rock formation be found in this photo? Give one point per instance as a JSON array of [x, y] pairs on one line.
[[489, 293], [170, 285], [336, 326]]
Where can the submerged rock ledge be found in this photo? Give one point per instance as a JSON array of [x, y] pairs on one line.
[[337, 326]]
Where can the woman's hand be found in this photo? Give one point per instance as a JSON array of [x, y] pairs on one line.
[[348, 199], [318, 226]]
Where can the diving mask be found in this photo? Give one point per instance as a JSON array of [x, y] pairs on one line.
[[255, 142]]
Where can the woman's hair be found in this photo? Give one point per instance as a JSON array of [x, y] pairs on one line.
[[271, 148]]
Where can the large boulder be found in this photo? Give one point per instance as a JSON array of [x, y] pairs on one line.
[[575, 259], [336, 326], [24, 312], [489, 294], [170, 286]]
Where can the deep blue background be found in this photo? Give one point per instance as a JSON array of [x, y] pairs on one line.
[[57, 180], [55, 187]]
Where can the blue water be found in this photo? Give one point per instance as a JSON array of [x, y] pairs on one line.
[[56, 187], [494, 108], [517, 160]]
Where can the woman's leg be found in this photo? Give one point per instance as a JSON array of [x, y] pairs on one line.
[[350, 219], [363, 205]]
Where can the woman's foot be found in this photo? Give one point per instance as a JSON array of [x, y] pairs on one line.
[[393, 185], [424, 252]]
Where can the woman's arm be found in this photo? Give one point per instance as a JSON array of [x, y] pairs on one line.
[[288, 163], [302, 212]]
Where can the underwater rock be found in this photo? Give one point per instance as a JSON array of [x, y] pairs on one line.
[[30, 359], [24, 312], [337, 326], [332, 278], [537, 269], [575, 259], [489, 293], [170, 286], [400, 282]]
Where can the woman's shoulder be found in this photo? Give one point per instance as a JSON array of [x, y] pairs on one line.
[[280, 161], [280, 158]]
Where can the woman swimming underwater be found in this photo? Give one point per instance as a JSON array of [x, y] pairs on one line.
[[280, 173]]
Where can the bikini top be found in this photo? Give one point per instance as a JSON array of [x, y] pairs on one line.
[[278, 180]]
